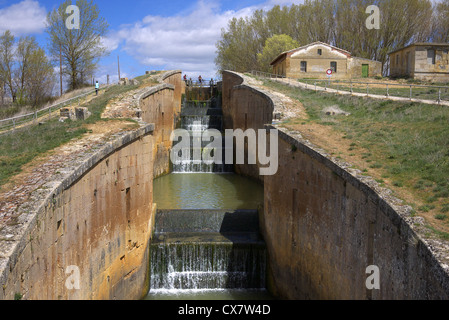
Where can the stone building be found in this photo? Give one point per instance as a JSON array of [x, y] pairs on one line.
[[421, 61], [313, 60]]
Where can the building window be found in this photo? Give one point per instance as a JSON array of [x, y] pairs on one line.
[[431, 56], [334, 66], [320, 52], [303, 66]]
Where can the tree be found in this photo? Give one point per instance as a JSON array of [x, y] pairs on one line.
[[26, 71], [81, 48], [341, 23], [25, 48], [273, 47], [441, 22], [7, 62], [41, 78]]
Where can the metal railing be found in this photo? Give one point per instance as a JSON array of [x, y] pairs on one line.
[[202, 83], [45, 113], [433, 93]]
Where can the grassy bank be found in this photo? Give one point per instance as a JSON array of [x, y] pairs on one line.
[[404, 145], [23, 145]]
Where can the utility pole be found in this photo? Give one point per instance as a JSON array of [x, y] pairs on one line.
[[118, 63], [60, 67], [108, 80]]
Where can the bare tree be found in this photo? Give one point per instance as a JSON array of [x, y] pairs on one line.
[[7, 62], [25, 48], [81, 48]]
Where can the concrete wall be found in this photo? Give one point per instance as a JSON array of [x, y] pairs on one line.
[[324, 226]]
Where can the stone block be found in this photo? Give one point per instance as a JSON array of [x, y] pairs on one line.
[[82, 113]]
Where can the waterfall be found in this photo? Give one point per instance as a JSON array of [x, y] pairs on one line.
[[207, 249], [196, 117]]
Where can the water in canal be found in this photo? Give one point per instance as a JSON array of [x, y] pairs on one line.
[[206, 244]]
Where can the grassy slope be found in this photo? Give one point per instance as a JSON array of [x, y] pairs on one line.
[[408, 143], [23, 145]]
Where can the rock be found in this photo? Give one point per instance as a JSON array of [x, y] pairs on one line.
[[82, 113], [334, 111]]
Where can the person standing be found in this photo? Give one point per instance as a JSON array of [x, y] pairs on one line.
[[97, 86]]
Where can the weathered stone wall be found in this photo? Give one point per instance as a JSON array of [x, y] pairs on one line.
[[97, 216], [356, 67], [414, 62], [98, 219], [159, 107], [324, 225], [254, 112], [175, 78], [319, 62]]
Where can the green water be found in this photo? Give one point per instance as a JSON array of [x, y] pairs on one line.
[[206, 191]]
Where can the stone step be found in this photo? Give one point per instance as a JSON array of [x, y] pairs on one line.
[[212, 221]]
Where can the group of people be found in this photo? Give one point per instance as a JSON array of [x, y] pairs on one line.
[[200, 80]]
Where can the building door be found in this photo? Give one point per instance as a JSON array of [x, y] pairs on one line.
[[365, 70]]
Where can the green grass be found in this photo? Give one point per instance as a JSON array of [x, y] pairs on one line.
[[22, 146], [407, 141]]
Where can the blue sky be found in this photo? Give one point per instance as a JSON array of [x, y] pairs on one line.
[[147, 35]]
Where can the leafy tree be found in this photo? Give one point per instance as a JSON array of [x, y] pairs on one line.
[[341, 23], [40, 82], [25, 70], [273, 47], [81, 48]]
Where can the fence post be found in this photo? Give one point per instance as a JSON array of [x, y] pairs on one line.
[[351, 87], [315, 86], [49, 113], [388, 93], [410, 92], [367, 89], [35, 116], [14, 124], [439, 95]]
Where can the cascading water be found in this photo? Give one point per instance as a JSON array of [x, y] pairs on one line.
[[207, 250], [197, 117], [204, 255]]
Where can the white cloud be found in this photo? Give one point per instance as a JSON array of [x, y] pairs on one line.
[[184, 42], [25, 17]]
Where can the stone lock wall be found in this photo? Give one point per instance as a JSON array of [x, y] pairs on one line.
[[98, 220], [159, 106], [92, 225], [324, 225]]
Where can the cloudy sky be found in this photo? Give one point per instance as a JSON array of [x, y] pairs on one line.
[[146, 34]]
